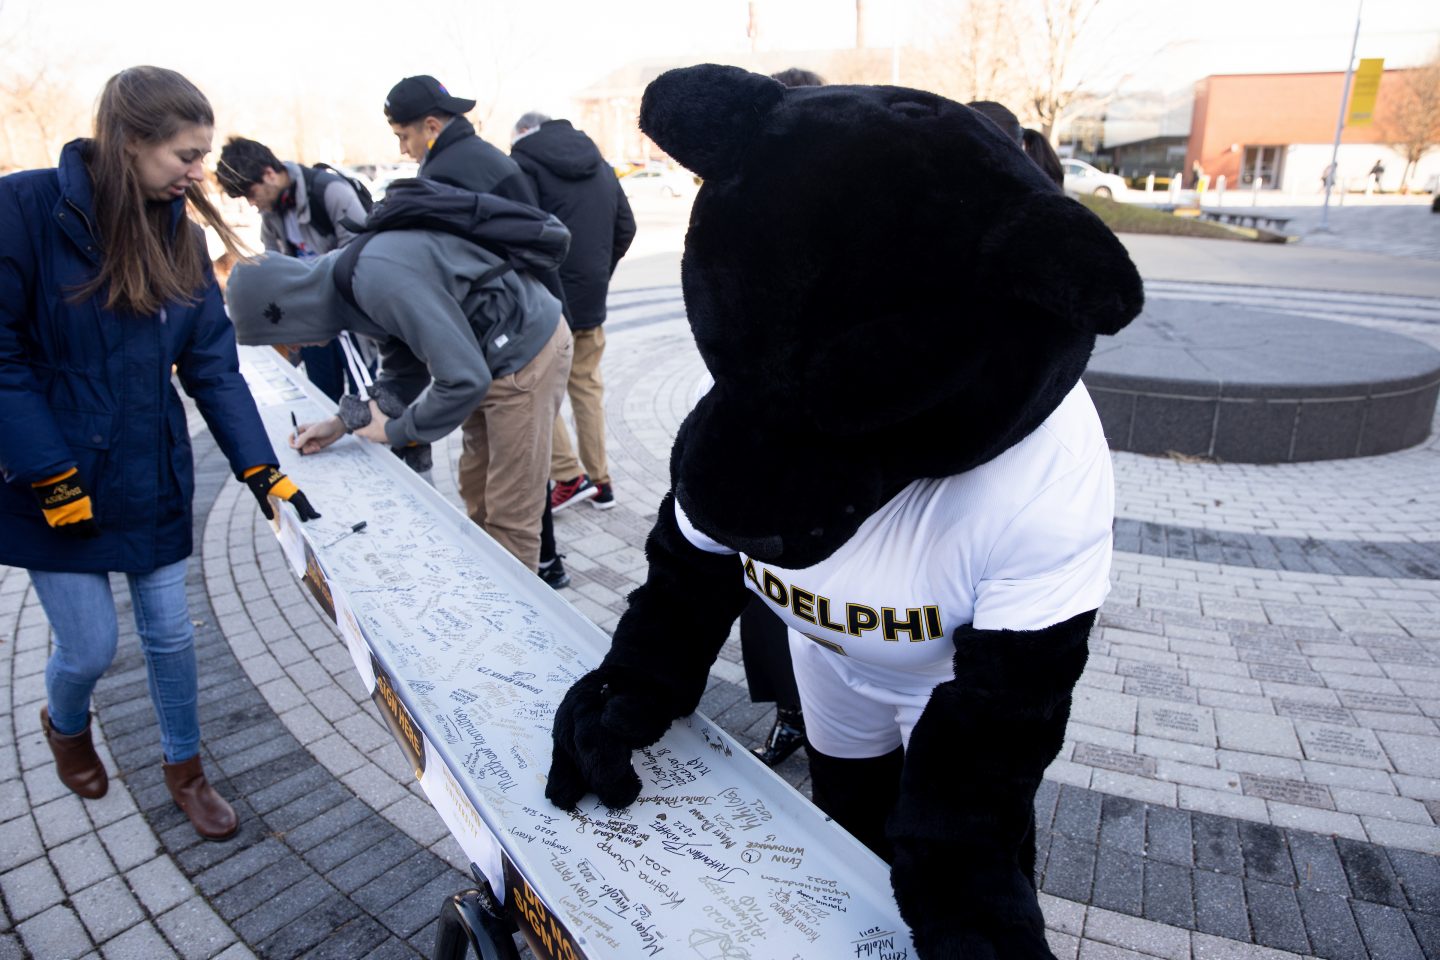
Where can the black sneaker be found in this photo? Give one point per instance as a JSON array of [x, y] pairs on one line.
[[605, 499], [553, 573], [568, 492]]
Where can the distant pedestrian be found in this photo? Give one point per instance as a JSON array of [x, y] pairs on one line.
[[573, 181], [303, 212], [1376, 172], [799, 77], [1038, 148], [1002, 116], [1033, 142]]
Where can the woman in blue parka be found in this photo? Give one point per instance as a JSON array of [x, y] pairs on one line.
[[105, 287]]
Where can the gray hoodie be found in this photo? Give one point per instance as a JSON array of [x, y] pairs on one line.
[[341, 203], [443, 339]]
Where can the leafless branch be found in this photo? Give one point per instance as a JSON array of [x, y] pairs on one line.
[[1413, 125]]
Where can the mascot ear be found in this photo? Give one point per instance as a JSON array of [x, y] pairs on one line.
[[1053, 254], [704, 116]]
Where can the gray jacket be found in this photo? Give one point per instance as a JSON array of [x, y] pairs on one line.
[[443, 339], [340, 202]]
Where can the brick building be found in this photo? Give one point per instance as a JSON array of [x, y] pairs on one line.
[[1281, 127]]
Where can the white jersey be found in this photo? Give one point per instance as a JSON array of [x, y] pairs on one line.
[[1019, 543]]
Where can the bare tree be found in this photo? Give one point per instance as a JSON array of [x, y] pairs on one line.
[[1056, 76], [975, 54], [1413, 125], [38, 114], [1041, 58], [491, 50], [986, 48], [39, 110]]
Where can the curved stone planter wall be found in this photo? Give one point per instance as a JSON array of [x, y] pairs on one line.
[[1252, 386]]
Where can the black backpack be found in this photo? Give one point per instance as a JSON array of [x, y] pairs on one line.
[[522, 236], [317, 180]]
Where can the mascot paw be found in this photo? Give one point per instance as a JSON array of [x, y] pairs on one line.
[[597, 727]]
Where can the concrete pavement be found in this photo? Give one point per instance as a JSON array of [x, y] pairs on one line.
[[1251, 769]]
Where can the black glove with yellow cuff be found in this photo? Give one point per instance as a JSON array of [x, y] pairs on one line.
[[266, 481], [66, 505]]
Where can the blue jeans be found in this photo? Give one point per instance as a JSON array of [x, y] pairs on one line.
[[81, 610]]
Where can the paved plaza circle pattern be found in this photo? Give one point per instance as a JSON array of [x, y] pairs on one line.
[[1252, 768]]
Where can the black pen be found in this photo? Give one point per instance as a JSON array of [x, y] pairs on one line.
[[294, 422], [355, 528]]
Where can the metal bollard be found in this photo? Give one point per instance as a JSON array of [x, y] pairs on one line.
[[1255, 187], [1150, 184], [1175, 187], [1220, 190]]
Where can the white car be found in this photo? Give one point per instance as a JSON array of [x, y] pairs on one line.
[[388, 174], [657, 182], [1080, 177]]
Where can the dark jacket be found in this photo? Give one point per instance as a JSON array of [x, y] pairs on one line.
[[84, 387], [460, 158], [573, 181]]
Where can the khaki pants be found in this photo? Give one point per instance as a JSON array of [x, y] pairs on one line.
[[506, 441], [587, 401]]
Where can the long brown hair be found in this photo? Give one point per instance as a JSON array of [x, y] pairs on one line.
[[145, 264]]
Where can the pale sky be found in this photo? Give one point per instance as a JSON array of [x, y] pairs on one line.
[[558, 46], [256, 57]]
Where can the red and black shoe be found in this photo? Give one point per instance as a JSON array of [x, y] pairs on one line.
[[569, 492]]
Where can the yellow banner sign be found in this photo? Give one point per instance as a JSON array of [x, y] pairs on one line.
[[397, 717], [1363, 91]]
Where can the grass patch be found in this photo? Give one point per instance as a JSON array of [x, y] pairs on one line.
[[1128, 218]]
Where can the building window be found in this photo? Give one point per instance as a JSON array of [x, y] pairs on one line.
[[1263, 162]]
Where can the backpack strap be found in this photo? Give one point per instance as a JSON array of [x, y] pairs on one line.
[[344, 275], [499, 270], [316, 183]]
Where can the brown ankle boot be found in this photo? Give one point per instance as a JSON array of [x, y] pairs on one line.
[[76, 762], [212, 817]]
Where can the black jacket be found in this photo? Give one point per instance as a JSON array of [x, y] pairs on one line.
[[573, 181], [460, 158]]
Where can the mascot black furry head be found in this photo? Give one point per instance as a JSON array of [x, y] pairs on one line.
[[884, 288]]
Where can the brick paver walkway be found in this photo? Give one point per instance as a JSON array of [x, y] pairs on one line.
[[1252, 768]]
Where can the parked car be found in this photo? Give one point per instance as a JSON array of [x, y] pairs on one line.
[[657, 182], [1080, 177], [387, 174]]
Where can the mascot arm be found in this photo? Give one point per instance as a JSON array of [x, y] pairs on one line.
[[963, 828], [656, 669]]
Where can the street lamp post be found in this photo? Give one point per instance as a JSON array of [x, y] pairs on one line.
[[1340, 124]]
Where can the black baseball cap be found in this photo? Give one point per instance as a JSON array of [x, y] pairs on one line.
[[414, 97]]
